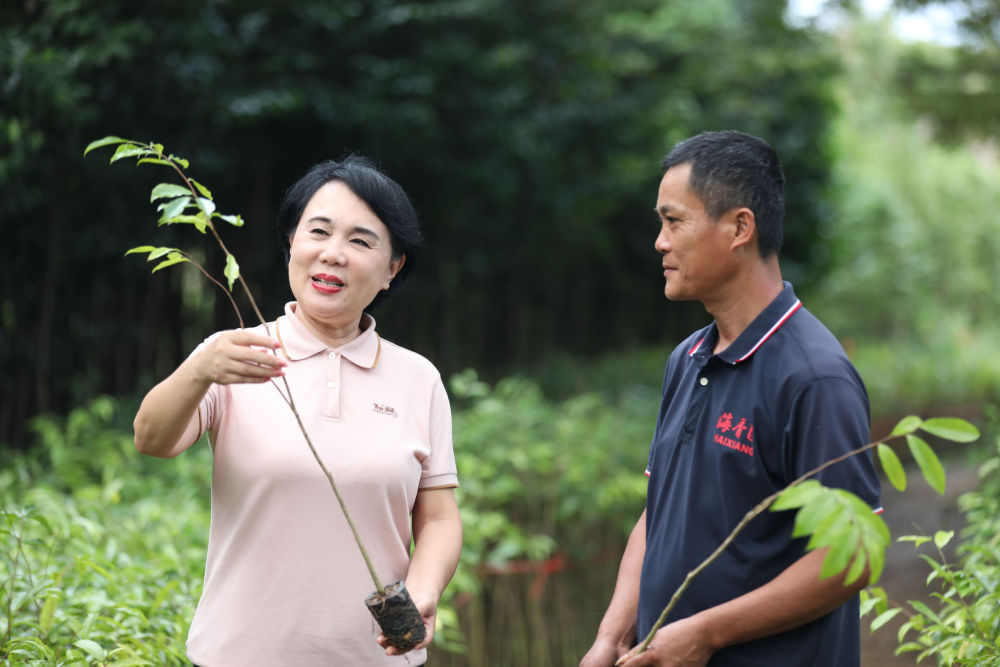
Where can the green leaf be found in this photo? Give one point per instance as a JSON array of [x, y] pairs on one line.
[[925, 610], [876, 563], [234, 220], [129, 662], [201, 188], [173, 208], [903, 629], [206, 205], [868, 602], [908, 647], [906, 425], [928, 461], [943, 537], [199, 221], [813, 514], [168, 190], [881, 596], [130, 150], [892, 467], [141, 248], [106, 141], [179, 160], [48, 612], [857, 568], [91, 647], [154, 160], [884, 618], [845, 544], [798, 495], [951, 428], [917, 540], [159, 252], [232, 271], [172, 258]]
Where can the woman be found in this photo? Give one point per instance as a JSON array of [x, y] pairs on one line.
[[285, 582]]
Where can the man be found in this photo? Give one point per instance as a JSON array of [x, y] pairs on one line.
[[751, 402]]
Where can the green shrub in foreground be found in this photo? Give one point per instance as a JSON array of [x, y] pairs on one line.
[[104, 548], [963, 627], [103, 551]]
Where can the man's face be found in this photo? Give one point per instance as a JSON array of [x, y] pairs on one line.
[[697, 251]]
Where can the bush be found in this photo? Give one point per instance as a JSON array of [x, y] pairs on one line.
[[964, 628], [104, 549]]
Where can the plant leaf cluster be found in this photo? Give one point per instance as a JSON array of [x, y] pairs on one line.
[[962, 624], [190, 204]]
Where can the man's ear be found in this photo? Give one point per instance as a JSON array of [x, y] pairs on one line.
[[745, 227]]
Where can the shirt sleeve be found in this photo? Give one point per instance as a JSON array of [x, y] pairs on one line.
[[438, 467], [207, 414], [830, 418]]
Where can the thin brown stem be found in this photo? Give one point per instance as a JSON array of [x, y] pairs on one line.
[[222, 287], [747, 518], [336, 491], [287, 395]]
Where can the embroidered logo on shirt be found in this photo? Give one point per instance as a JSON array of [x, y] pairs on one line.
[[385, 410], [738, 436]]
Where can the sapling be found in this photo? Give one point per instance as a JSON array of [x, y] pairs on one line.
[[837, 519], [192, 204]]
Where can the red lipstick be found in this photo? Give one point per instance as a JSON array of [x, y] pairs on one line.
[[326, 283]]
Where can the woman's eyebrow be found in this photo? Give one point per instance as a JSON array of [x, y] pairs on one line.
[[367, 232], [357, 229]]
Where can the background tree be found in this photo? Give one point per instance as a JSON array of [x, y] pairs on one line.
[[529, 134]]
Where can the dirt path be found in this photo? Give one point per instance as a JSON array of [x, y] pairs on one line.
[[918, 510]]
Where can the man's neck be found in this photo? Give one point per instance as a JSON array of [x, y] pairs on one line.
[[743, 299]]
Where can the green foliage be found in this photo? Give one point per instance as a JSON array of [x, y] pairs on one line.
[[539, 475], [963, 625], [841, 522], [910, 231], [180, 198], [103, 549]]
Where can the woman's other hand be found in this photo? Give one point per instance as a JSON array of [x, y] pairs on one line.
[[427, 606]]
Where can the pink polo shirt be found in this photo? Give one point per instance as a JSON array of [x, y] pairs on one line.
[[285, 582]]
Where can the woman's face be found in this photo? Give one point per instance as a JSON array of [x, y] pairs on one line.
[[340, 258]]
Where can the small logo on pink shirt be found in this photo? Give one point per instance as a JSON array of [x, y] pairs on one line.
[[385, 410]]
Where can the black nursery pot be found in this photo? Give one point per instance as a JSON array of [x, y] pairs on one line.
[[398, 617]]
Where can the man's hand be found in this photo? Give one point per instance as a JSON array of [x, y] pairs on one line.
[[680, 644], [603, 654]]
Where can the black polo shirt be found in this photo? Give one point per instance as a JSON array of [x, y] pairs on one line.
[[732, 429]]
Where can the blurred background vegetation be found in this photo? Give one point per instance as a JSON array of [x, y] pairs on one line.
[[529, 135]]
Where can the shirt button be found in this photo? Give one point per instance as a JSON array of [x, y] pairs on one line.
[[703, 381], [333, 355], [331, 385]]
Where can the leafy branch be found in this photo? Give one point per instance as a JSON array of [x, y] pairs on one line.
[[192, 204], [963, 630], [837, 519]]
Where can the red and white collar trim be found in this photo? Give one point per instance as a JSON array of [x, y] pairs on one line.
[[770, 332]]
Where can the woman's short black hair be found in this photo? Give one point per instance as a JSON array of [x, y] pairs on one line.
[[384, 196]]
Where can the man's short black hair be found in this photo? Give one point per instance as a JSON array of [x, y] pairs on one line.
[[384, 196], [731, 169]]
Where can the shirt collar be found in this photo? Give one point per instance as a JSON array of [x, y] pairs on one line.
[[754, 336], [300, 343]]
